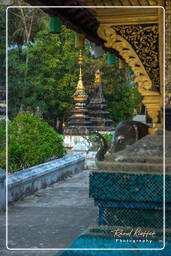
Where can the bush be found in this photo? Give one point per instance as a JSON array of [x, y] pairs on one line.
[[32, 141]]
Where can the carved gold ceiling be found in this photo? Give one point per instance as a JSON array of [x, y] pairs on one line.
[[125, 15], [131, 15], [122, 2]]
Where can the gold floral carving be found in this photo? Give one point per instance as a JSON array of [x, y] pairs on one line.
[[117, 42], [144, 40], [151, 99]]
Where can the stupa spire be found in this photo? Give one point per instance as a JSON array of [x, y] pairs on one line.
[[79, 122], [80, 93], [80, 85], [97, 107], [97, 76]]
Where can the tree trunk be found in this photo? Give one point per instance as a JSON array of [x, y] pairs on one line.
[[60, 126]]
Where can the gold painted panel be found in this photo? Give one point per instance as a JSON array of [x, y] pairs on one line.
[[120, 16], [144, 40]]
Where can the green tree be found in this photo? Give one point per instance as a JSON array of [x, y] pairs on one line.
[[24, 23], [120, 91], [52, 76]]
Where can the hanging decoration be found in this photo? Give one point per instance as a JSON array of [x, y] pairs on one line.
[[80, 58], [98, 52], [79, 41], [54, 24], [122, 64], [111, 58], [130, 71]]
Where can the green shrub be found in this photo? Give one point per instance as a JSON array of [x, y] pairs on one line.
[[32, 141]]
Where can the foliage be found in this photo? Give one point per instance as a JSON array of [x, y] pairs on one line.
[[51, 76], [24, 23], [108, 137], [94, 140], [2, 46], [121, 102], [120, 92], [2, 134], [55, 79], [2, 143], [32, 141]]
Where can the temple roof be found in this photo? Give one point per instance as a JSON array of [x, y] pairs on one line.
[[86, 20], [80, 20]]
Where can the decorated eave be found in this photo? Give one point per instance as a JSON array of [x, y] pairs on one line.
[[87, 20], [96, 24], [81, 20]]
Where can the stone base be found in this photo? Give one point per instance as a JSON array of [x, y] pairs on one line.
[[131, 199], [132, 217]]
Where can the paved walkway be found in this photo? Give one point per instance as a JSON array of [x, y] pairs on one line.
[[51, 218]]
